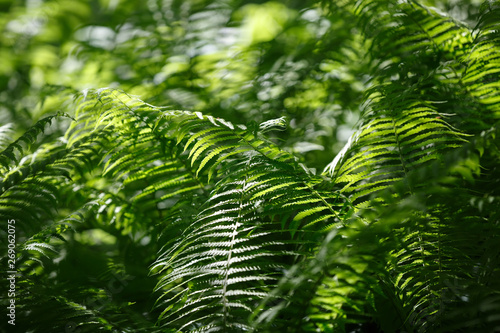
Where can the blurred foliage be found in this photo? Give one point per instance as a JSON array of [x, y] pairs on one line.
[[239, 60], [325, 68]]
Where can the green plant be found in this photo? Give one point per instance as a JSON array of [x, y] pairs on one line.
[[135, 217]]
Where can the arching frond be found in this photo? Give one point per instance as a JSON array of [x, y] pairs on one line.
[[404, 136], [139, 218]]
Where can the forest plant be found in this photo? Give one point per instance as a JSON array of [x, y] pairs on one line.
[[214, 227]]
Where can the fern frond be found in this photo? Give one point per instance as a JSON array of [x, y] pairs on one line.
[[399, 233], [6, 133], [387, 148], [482, 71], [230, 253], [14, 151]]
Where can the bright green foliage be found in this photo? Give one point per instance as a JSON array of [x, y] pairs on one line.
[[135, 217]]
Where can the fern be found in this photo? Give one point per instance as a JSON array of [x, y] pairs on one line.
[[410, 203], [207, 223], [389, 147], [233, 229]]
